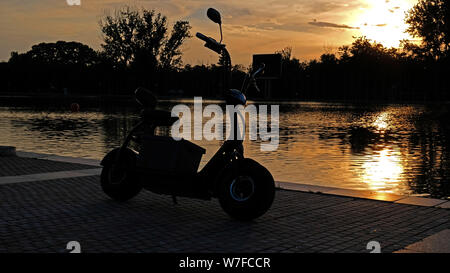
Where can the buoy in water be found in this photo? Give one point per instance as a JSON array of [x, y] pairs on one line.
[[75, 107]]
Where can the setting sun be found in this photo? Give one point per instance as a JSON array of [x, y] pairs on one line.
[[384, 21]]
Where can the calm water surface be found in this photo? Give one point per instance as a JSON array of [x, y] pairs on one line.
[[392, 148]]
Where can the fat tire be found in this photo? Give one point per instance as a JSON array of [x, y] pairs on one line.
[[262, 198]]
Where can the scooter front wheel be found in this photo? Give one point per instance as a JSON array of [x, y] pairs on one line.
[[119, 183], [245, 189]]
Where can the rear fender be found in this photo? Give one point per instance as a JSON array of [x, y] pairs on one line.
[[128, 157]]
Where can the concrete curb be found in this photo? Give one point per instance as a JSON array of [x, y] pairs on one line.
[[68, 159], [399, 199], [4, 180]]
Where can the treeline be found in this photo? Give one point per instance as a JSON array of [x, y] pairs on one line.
[[70, 73], [139, 50], [365, 71]]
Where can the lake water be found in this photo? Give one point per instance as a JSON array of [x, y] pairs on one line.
[[389, 148]]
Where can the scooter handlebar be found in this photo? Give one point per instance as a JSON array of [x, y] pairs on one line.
[[253, 79], [208, 40], [211, 43], [202, 37], [260, 69]]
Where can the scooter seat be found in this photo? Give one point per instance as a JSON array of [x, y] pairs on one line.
[[158, 117]]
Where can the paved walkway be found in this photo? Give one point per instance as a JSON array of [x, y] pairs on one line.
[[39, 215]]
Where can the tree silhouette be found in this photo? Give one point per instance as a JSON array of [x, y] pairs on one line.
[[140, 37], [286, 54], [59, 53], [430, 20], [171, 53], [365, 52], [53, 67]]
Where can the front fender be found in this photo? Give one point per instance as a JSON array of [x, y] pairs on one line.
[[236, 166]]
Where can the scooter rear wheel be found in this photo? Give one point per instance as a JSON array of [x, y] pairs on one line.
[[246, 190], [118, 183]]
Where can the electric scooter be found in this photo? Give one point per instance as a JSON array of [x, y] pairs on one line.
[[245, 189]]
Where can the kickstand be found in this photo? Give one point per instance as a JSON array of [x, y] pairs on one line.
[[174, 199]]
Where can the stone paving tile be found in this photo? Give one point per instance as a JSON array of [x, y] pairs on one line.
[[11, 166], [44, 216]]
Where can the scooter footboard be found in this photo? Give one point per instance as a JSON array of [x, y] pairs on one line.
[[166, 155], [185, 185]]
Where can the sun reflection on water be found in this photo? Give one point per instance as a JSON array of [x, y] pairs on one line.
[[383, 172], [381, 123]]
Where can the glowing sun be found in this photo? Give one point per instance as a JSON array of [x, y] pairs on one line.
[[383, 21]]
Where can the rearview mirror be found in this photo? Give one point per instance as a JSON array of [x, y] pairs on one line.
[[214, 16]]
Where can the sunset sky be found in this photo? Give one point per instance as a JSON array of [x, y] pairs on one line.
[[310, 27]]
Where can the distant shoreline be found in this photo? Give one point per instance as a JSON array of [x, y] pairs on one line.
[[26, 98]]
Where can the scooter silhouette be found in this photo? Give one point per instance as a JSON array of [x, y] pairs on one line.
[[245, 189]]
